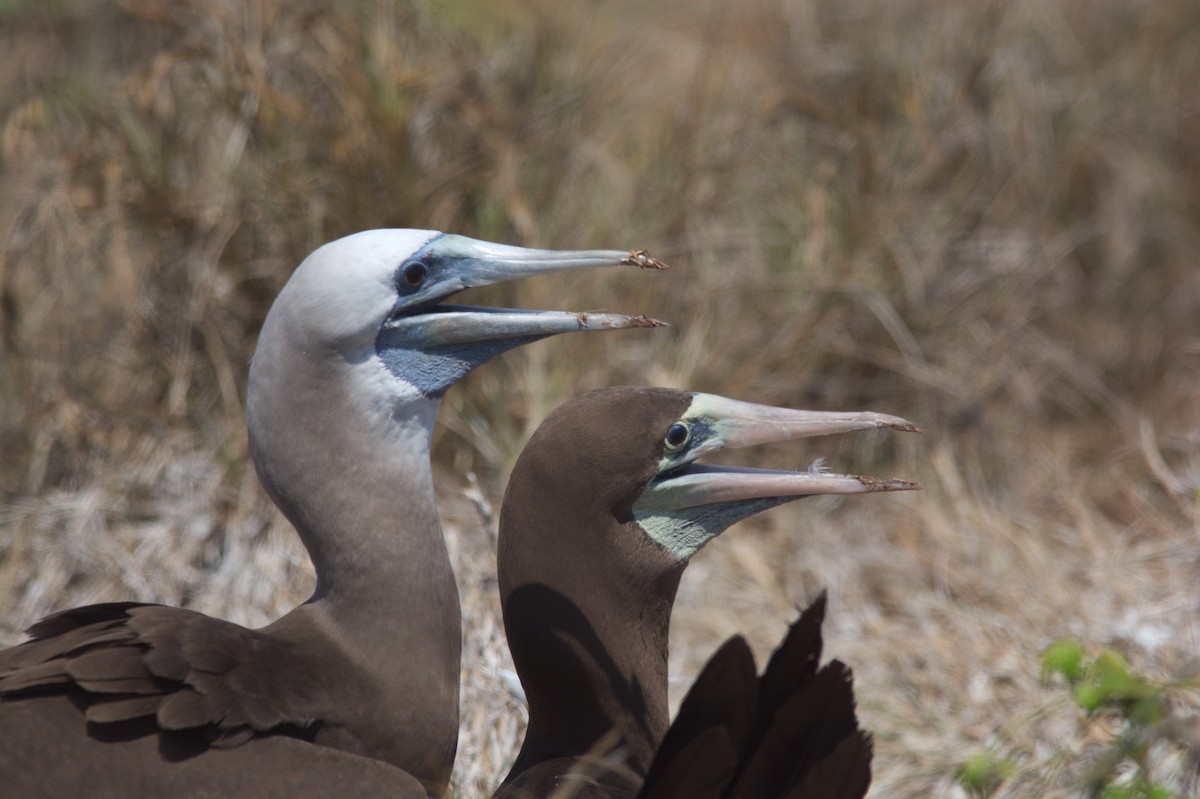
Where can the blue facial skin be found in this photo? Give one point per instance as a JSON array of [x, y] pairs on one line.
[[432, 369], [449, 263]]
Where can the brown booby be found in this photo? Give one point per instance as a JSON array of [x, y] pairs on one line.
[[603, 510], [351, 364]]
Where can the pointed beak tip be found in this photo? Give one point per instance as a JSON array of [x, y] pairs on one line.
[[894, 484], [603, 320], [643, 260], [897, 423]]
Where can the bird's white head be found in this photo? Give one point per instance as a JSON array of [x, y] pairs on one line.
[[378, 295]]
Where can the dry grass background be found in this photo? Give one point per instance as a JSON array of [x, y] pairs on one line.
[[983, 216]]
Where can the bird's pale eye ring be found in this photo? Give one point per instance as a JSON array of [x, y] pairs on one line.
[[677, 435], [414, 273]]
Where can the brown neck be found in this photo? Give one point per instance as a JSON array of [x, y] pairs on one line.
[[590, 645]]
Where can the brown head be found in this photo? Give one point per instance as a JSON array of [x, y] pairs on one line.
[[603, 510]]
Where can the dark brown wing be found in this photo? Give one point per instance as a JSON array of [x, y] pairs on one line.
[[792, 666], [813, 746], [845, 773], [187, 670], [698, 755], [700, 769], [791, 733], [805, 741]]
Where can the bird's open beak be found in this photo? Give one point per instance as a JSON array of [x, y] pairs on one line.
[[460, 263], [690, 504], [701, 484], [730, 423]]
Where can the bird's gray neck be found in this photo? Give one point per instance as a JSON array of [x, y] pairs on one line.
[[349, 467], [593, 661]]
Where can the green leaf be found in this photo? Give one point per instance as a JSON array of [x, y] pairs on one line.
[[1063, 657], [1109, 668], [983, 772], [1088, 696]]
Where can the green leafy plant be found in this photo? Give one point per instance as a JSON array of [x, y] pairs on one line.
[[1141, 723], [1106, 685], [982, 773]]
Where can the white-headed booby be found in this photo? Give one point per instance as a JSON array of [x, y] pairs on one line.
[[352, 361]]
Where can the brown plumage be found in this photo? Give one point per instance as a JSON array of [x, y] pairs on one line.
[[65, 760], [187, 670], [603, 510], [790, 733]]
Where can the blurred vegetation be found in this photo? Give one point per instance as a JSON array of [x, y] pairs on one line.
[[1139, 717], [1107, 686], [983, 216], [986, 214]]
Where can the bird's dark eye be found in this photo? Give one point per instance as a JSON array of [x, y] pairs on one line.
[[414, 273], [677, 435]]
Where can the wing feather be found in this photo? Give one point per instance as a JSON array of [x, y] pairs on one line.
[[185, 669], [791, 733], [708, 730], [106, 710]]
